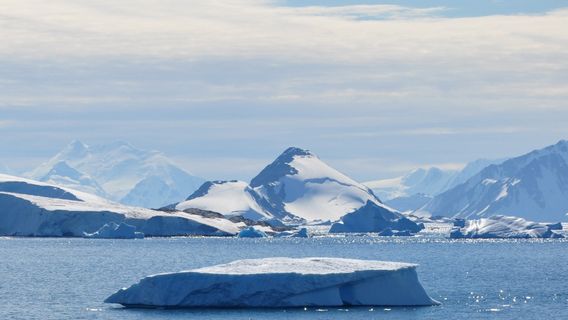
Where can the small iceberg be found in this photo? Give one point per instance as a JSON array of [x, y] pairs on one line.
[[394, 233], [374, 218], [251, 232], [502, 227], [301, 233], [113, 230], [281, 282]]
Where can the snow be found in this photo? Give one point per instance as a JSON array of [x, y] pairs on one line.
[[31, 208], [281, 282], [230, 198], [122, 172], [373, 218], [502, 227], [113, 230], [251, 232]]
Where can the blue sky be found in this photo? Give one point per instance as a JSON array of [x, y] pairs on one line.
[[455, 8], [374, 88]]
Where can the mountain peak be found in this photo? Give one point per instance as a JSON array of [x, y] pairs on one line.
[[295, 151], [280, 167]]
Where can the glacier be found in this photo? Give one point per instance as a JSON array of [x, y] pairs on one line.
[[502, 227], [281, 282], [32, 208]]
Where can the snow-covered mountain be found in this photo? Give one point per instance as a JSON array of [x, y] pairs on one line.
[[230, 198], [297, 187], [409, 203], [32, 208], [120, 172], [533, 186], [299, 184], [64, 175]]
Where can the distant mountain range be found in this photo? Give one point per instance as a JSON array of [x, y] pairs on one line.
[[419, 186], [429, 182], [299, 187], [120, 172], [533, 186]]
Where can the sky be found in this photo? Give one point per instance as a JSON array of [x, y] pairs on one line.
[[375, 88]]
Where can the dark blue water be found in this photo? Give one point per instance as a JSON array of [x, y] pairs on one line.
[[69, 278]]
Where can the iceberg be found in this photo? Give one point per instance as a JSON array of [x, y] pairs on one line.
[[281, 282], [251, 232], [374, 218], [502, 227], [113, 230], [301, 233], [394, 233]]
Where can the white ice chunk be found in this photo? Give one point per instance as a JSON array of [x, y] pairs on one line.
[[502, 227], [281, 282]]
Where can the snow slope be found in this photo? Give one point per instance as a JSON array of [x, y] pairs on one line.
[[533, 186], [503, 227], [31, 208], [126, 174], [299, 184], [281, 282], [230, 198]]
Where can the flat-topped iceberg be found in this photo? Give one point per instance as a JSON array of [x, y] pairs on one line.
[[502, 227], [281, 282]]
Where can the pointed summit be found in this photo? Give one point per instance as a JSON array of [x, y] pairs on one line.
[[281, 166]]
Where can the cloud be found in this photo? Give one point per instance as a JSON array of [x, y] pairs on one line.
[[244, 79]]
